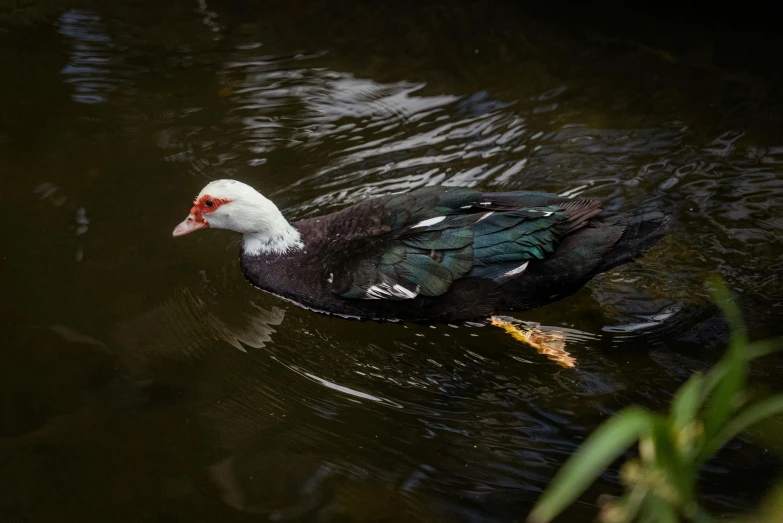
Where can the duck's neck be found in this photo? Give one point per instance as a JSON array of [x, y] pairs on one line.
[[265, 229], [278, 240]]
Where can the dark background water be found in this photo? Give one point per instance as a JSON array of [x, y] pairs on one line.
[[142, 379]]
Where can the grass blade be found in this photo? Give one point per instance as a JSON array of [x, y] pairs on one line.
[[723, 401], [764, 347], [678, 474], [597, 452], [754, 350], [757, 412], [730, 310], [688, 401], [655, 510]]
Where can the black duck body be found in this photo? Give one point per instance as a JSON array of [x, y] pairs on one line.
[[452, 254]]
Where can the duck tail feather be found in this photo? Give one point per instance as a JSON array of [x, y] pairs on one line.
[[643, 227]]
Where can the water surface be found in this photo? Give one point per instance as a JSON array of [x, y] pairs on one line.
[[145, 380]]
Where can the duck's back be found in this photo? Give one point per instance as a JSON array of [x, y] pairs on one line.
[[452, 254]]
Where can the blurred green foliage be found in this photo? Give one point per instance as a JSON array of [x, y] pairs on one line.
[[707, 412]]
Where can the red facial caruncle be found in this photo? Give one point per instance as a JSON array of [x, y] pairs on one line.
[[203, 205]]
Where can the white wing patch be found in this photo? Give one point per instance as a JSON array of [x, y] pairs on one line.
[[384, 290], [485, 215], [518, 270], [431, 221], [400, 290]]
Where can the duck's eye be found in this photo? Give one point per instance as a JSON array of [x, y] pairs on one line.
[[209, 203]]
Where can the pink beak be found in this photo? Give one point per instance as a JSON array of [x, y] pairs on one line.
[[189, 225]]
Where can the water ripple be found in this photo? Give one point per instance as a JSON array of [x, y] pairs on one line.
[[94, 68]]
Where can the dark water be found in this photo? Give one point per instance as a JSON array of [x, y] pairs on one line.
[[144, 380]]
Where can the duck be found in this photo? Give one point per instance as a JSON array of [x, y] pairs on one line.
[[436, 254]]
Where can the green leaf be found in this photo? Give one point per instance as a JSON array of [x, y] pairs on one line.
[[684, 402], [764, 347], [687, 401], [625, 509], [656, 510], [723, 401], [597, 452], [754, 350], [668, 460], [729, 308], [751, 415]]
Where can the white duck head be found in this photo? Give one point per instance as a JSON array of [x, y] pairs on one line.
[[233, 205]]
